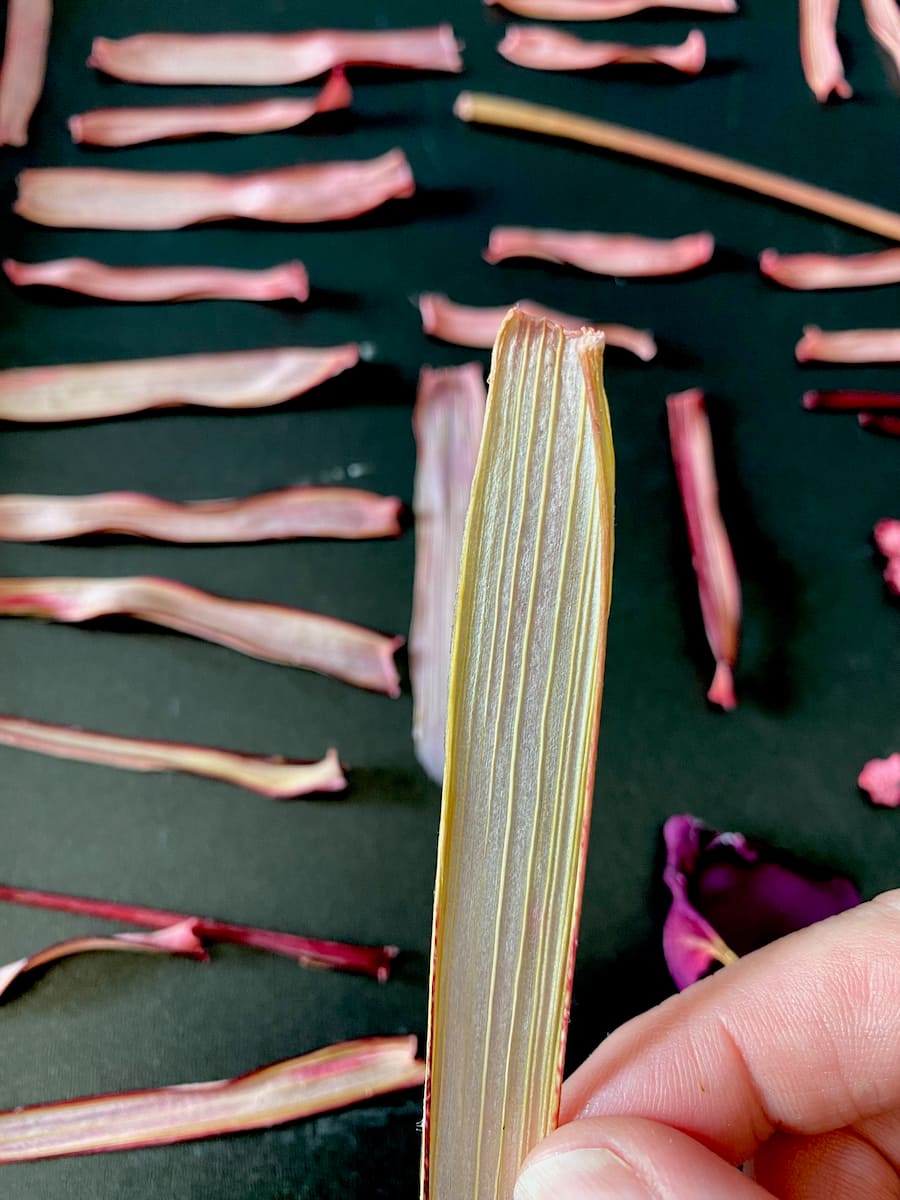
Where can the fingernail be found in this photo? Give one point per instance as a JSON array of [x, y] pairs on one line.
[[580, 1175]]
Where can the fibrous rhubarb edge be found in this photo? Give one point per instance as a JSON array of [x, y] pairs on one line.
[[848, 345], [547, 49], [606, 10], [625, 255], [817, 272], [819, 54], [525, 684], [28, 25]]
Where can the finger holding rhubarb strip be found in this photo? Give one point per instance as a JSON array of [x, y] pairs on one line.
[[625, 255], [848, 345], [606, 10], [711, 553], [851, 400], [880, 423], [545, 49], [818, 272], [880, 779], [28, 25], [819, 54], [883, 20]]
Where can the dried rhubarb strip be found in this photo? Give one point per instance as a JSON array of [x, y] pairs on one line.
[[880, 778], [879, 423], [101, 198], [606, 10], [848, 345], [625, 255], [711, 553], [819, 54], [466, 325], [887, 539], [883, 20], [447, 420], [256, 58], [132, 126], [280, 778], [526, 679], [323, 1081], [817, 272], [24, 66], [232, 379], [851, 400], [552, 50]]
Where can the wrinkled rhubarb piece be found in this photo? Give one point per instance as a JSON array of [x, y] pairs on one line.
[[848, 345], [295, 512], [880, 778], [604, 10], [623, 254], [279, 778], [817, 272], [320, 1082], [819, 54], [250, 58], [131, 126], [711, 553], [546, 49], [271, 632], [101, 198], [24, 66], [883, 19], [851, 400], [887, 539], [879, 423], [731, 895], [233, 379], [465, 325]]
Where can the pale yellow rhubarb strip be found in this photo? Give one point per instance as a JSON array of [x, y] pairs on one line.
[[24, 66]]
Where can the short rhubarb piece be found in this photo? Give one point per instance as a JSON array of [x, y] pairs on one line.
[[711, 553], [625, 255], [880, 779], [547, 49], [851, 400], [887, 538], [818, 272], [466, 325], [606, 10], [819, 54], [848, 345], [883, 19], [880, 423], [525, 685], [327, 1079], [105, 198], [447, 421], [28, 25]]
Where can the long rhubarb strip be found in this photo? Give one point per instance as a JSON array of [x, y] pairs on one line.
[[234, 379], [819, 54], [99, 198], [848, 345], [447, 420], [271, 632], [623, 254], [883, 19], [466, 325], [816, 272], [887, 539], [606, 10], [132, 126], [852, 400], [552, 50], [711, 553], [325, 1080], [879, 423], [250, 58], [24, 66]]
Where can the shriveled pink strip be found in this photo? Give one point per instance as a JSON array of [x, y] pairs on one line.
[[320, 1082], [848, 345], [131, 126], [880, 423], [816, 272], [271, 632], [447, 421], [257, 58], [880, 777], [623, 254], [819, 54], [887, 539], [234, 379], [24, 66], [101, 198], [883, 19], [296, 512], [279, 778], [711, 553], [546, 49], [605, 10], [466, 325]]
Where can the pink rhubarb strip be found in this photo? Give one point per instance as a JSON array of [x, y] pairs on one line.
[[234, 379], [546, 49], [819, 54], [256, 58], [816, 272], [883, 19], [849, 345], [24, 66], [323, 1081], [132, 126], [711, 553], [851, 400], [887, 539], [101, 198], [271, 632], [466, 325], [605, 10], [623, 254], [880, 423], [880, 777]]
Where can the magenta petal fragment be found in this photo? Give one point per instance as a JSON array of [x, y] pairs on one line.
[[606, 10], [880, 778], [24, 66], [547, 49], [880, 423], [817, 272], [848, 345], [625, 255], [819, 54]]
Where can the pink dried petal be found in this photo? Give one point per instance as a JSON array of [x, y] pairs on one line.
[[100, 198], [623, 254], [24, 66], [817, 272], [132, 126], [233, 379], [880, 777], [878, 423], [851, 400], [711, 553], [466, 325], [887, 537], [272, 632], [328, 1079], [849, 345], [546, 49], [883, 19], [257, 58], [605, 10], [819, 54]]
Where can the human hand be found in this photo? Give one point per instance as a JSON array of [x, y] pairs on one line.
[[789, 1057]]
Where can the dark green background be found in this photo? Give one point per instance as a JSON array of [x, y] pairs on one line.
[[818, 673]]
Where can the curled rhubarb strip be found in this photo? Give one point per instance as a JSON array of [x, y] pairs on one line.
[[323, 1081], [711, 553], [606, 10], [447, 420], [880, 778], [819, 54], [852, 400], [848, 345], [250, 58], [887, 539], [295, 512], [466, 325], [24, 66], [883, 19], [100, 198], [552, 50], [879, 423], [817, 272], [132, 126], [623, 254], [233, 379]]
